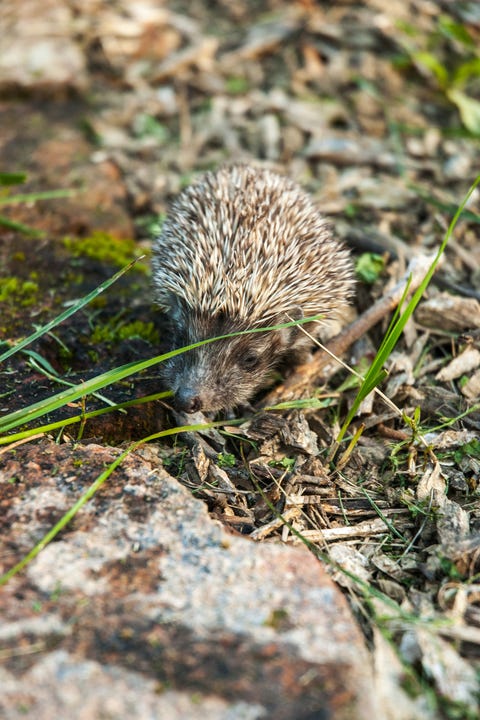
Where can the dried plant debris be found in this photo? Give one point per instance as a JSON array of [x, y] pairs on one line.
[[450, 313], [373, 108]]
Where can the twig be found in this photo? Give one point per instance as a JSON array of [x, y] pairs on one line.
[[324, 364], [362, 529]]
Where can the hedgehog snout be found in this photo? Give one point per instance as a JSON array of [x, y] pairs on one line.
[[192, 379], [188, 400], [210, 382]]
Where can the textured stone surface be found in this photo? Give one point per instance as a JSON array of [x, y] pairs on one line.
[[35, 35], [144, 602]]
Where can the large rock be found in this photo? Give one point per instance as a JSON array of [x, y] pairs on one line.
[[145, 608]]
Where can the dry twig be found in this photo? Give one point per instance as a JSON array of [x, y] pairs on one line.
[[325, 364]]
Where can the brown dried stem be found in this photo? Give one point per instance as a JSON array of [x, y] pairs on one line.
[[324, 364]]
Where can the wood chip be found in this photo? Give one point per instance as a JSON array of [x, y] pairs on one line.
[[199, 55], [265, 530], [463, 364], [449, 312], [363, 529], [471, 389]]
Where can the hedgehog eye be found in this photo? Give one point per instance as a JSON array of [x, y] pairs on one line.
[[250, 361]]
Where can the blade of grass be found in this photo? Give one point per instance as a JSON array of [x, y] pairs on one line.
[[43, 366], [32, 197], [50, 427], [70, 311], [445, 207], [7, 178], [387, 522], [375, 374], [65, 422], [20, 227], [26, 415]]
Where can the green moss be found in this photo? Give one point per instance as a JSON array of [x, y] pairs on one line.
[[104, 247], [15, 291], [151, 225], [114, 332], [278, 619], [237, 85], [286, 463], [73, 277]]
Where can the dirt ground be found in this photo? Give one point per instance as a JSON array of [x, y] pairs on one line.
[[374, 108]]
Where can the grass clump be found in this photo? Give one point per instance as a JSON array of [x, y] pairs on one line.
[[450, 58], [376, 372], [237, 85]]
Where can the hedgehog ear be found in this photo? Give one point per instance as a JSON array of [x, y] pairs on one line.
[[174, 311], [174, 308], [288, 335]]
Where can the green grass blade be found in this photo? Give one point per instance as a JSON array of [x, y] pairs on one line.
[[43, 366], [20, 227], [32, 197], [445, 207], [26, 415], [376, 374], [32, 412], [59, 424], [7, 178], [71, 311]]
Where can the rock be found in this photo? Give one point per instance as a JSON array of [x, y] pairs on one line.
[[35, 36], [145, 607]]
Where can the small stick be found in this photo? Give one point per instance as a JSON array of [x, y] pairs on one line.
[[361, 529], [324, 364]]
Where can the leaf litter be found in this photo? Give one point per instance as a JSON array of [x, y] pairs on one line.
[[373, 109]]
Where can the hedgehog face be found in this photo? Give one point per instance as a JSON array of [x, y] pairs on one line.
[[224, 373], [218, 376], [240, 247]]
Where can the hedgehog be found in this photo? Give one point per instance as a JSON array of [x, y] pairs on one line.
[[242, 248]]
